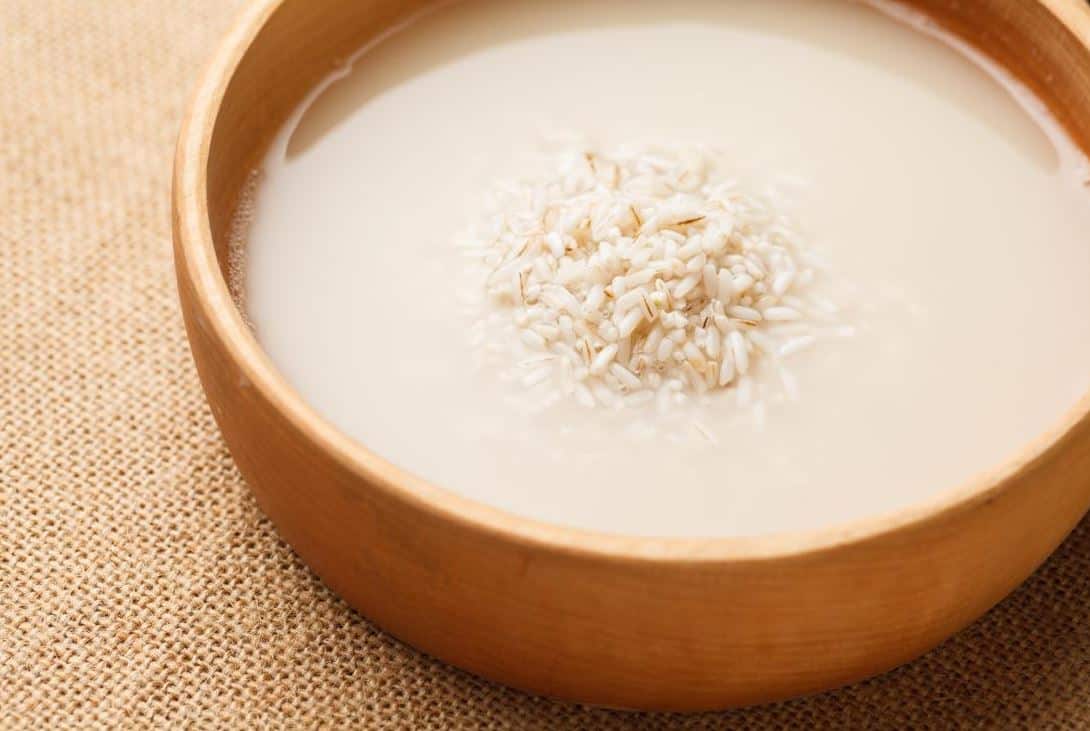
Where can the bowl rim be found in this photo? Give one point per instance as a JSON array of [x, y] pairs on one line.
[[196, 260]]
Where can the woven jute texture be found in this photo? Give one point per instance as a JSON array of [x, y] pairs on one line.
[[139, 584]]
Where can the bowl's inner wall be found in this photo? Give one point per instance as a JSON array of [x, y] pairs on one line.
[[305, 42]]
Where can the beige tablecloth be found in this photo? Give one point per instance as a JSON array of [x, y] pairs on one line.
[[140, 585]]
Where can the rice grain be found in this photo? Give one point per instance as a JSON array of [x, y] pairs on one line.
[[643, 272]]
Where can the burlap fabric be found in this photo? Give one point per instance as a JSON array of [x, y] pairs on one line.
[[139, 584]]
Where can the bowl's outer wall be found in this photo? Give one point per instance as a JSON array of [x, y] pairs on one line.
[[634, 622]]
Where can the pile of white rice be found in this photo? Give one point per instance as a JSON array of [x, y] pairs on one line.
[[640, 275]]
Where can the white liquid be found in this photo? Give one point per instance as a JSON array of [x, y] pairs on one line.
[[931, 189]]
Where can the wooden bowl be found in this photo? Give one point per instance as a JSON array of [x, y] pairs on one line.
[[610, 620]]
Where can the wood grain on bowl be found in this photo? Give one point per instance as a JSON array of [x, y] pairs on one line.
[[610, 620]]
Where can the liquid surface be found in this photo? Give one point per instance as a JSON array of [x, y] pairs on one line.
[[929, 187]]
